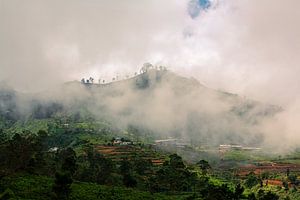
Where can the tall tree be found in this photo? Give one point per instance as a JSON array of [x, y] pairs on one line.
[[69, 164], [204, 166], [62, 185]]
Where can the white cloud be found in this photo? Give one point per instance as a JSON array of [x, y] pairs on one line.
[[246, 47]]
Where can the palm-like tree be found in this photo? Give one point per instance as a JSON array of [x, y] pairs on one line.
[[91, 80]]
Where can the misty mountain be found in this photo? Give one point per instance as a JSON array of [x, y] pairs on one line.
[[158, 100]]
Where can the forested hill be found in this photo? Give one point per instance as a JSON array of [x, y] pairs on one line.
[[159, 100]]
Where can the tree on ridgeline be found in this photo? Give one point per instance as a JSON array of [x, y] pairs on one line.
[[91, 80]]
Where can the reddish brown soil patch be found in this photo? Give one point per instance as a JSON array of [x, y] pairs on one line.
[[274, 167], [117, 153]]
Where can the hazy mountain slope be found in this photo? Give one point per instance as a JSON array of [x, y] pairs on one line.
[[162, 101]]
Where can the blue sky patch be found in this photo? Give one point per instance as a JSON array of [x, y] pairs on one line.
[[195, 7]]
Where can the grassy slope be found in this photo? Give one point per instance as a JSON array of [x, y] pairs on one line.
[[28, 187]]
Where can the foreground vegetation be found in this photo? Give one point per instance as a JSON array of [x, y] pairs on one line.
[[61, 158]]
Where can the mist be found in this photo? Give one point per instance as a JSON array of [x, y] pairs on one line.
[[244, 47]]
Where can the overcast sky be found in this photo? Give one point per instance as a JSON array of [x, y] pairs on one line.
[[249, 47]]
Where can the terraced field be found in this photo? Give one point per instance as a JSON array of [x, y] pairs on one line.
[[120, 152], [270, 167]]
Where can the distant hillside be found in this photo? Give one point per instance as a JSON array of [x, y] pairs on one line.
[[158, 100]]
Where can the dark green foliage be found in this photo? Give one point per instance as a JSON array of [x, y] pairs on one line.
[[25, 186], [172, 176], [126, 167], [88, 174], [7, 194], [25, 152], [204, 166], [251, 180], [214, 192], [141, 165], [292, 178], [285, 185], [265, 175], [126, 170], [66, 138], [68, 157], [251, 196], [2, 136], [63, 177], [238, 192], [176, 162], [263, 195], [39, 187], [62, 185], [129, 180], [99, 168], [19, 151], [209, 191]]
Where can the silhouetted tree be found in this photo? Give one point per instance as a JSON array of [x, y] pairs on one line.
[[262, 195], [126, 171], [251, 196], [2, 136], [126, 167], [129, 180], [62, 185], [19, 151], [285, 185], [204, 166], [238, 192], [214, 192], [91, 80], [176, 161], [99, 169], [68, 157], [172, 176], [141, 165], [292, 178], [251, 180]]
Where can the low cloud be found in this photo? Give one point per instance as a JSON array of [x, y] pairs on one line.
[[245, 47]]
